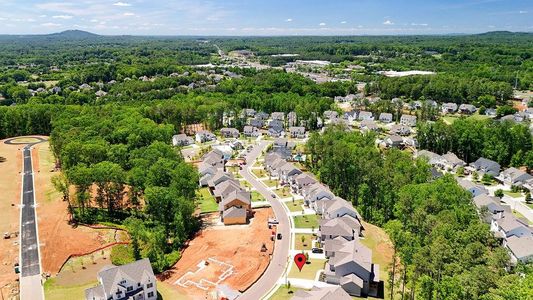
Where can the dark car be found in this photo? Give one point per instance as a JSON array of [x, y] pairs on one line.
[[279, 236], [317, 250], [273, 195]]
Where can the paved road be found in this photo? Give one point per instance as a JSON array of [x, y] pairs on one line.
[[281, 250], [30, 264]]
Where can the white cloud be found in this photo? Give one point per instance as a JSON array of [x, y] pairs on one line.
[[419, 24], [523, 12], [322, 24], [121, 4], [388, 22], [63, 17], [50, 24], [128, 14], [288, 20], [42, 16], [94, 21], [343, 22]]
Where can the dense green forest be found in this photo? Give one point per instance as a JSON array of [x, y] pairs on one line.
[[444, 250]]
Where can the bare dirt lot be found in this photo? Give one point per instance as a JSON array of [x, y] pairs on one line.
[[58, 239], [10, 182], [233, 253]]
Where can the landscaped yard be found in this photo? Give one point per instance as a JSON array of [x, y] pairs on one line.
[[206, 201], [308, 270], [306, 244], [306, 221], [283, 293], [449, 119], [271, 182], [259, 173], [283, 192], [295, 206], [245, 184], [256, 196], [258, 164], [54, 291], [513, 194]]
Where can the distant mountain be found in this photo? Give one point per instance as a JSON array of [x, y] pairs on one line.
[[73, 34], [503, 33]]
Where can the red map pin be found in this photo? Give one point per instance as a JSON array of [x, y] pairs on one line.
[[299, 260]]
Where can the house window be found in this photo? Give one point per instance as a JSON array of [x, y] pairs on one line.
[[149, 285], [129, 288], [150, 294], [138, 284]]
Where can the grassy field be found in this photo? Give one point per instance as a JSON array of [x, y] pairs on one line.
[[283, 192], [53, 291], [306, 221], [245, 184], [512, 194], [166, 292], [449, 119], [296, 206], [309, 270], [259, 173], [206, 201], [283, 293], [271, 182], [256, 196], [306, 245]]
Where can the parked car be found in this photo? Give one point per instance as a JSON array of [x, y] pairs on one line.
[[317, 250], [279, 236], [273, 195]]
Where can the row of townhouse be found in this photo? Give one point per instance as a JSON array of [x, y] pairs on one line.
[[349, 261], [351, 117], [233, 201], [514, 233]]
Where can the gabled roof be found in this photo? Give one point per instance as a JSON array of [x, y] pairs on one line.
[[242, 196], [134, 271], [521, 247], [514, 174], [343, 226], [304, 179], [322, 293], [338, 203], [354, 251], [492, 203], [451, 158], [96, 292], [509, 222], [234, 212]]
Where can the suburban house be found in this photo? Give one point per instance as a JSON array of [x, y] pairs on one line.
[[408, 120], [251, 131], [513, 176], [474, 189], [182, 140], [218, 178], [135, 280], [287, 171], [300, 181], [450, 161], [206, 172], [203, 136], [341, 99], [338, 207], [368, 125], [215, 158], [467, 109], [449, 108], [261, 115], [229, 132], [258, 123], [400, 129], [365, 115], [316, 192], [292, 119], [350, 266], [350, 117], [330, 115], [520, 248], [346, 227], [322, 293], [275, 131], [433, 158], [297, 132], [385, 117], [248, 112], [393, 141], [225, 188], [493, 207], [280, 116], [509, 225], [235, 208], [486, 166]]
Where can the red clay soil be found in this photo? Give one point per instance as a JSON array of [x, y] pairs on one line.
[[10, 183], [57, 238], [239, 246]]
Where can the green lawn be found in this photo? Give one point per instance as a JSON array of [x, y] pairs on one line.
[[167, 292], [283, 293], [306, 245], [519, 215], [271, 182], [512, 194], [530, 205], [449, 119], [296, 206], [206, 201], [258, 164], [477, 116], [245, 184], [306, 221], [308, 270], [283, 192], [256, 196], [52, 291], [259, 173]]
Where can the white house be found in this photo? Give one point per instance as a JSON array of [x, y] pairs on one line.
[[133, 281]]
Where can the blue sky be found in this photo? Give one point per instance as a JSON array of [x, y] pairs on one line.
[[265, 17]]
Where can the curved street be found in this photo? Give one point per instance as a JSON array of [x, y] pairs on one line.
[[280, 256]]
